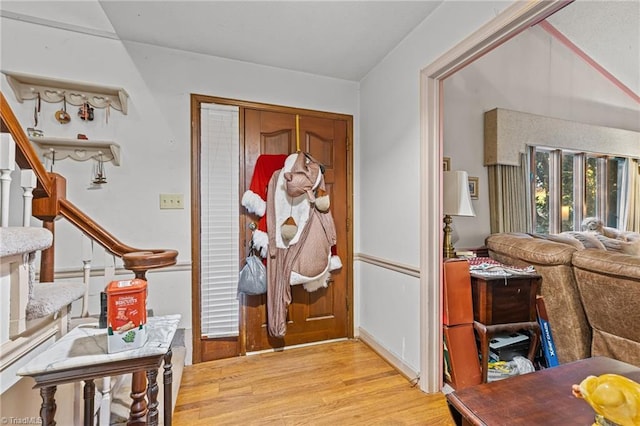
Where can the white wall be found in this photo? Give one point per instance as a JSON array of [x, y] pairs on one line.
[[154, 136], [533, 73], [389, 164]]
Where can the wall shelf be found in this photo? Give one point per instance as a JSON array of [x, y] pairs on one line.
[[78, 149], [27, 87]]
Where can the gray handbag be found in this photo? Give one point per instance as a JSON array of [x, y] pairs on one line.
[[253, 276]]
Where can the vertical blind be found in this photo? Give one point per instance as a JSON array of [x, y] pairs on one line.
[[219, 220]]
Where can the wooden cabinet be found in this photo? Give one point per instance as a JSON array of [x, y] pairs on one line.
[[504, 299], [504, 303]]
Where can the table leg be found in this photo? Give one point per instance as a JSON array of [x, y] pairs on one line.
[[48, 407], [533, 346], [138, 409], [484, 335], [152, 396], [167, 381], [89, 395]]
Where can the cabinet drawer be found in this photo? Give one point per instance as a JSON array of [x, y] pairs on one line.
[[501, 300]]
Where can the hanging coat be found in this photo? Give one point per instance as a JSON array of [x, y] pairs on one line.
[[306, 258]]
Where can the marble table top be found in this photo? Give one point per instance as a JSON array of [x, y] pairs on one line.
[[86, 345]]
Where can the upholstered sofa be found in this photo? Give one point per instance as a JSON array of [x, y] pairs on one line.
[[609, 285], [592, 295]]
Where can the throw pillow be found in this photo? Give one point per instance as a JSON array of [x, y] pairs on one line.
[[566, 239], [588, 239], [631, 248]]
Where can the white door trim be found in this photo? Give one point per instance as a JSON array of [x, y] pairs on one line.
[[516, 18]]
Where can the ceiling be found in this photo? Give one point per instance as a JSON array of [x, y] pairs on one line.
[[339, 39], [608, 32]]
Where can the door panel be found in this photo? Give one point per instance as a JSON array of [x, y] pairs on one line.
[[322, 314]]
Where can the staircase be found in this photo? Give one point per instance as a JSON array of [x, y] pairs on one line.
[[34, 313]]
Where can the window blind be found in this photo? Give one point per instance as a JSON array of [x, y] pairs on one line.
[[219, 215]]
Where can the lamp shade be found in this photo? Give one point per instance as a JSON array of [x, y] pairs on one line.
[[457, 199]]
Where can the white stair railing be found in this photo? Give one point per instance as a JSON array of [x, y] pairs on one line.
[[7, 166], [87, 256], [28, 182], [20, 336]]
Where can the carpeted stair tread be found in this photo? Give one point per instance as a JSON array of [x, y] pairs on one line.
[[19, 239], [49, 298]]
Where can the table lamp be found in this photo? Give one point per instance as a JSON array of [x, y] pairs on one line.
[[456, 202]]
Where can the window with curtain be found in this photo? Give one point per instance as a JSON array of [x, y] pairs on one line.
[[219, 177], [569, 186], [509, 197]]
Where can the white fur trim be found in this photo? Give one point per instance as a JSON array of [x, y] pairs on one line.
[[317, 284], [317, 182], [297, 278], [261, 242], [285, 206], [253, 203], [335, 263]]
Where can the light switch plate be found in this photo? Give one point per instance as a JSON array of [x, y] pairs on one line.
[[171, 201]]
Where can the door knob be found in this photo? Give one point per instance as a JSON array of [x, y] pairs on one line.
[[253, 226]]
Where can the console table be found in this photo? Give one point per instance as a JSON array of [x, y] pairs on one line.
[[504, 303], [81, 355]]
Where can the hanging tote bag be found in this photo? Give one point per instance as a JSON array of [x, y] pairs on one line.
[[253, 276]]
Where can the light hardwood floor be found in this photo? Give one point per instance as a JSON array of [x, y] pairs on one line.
[[339, 383]]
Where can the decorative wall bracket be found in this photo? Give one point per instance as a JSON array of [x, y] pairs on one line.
[[27, 87], [78, 149]]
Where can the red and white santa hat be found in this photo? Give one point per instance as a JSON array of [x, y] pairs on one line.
[[255, 198]]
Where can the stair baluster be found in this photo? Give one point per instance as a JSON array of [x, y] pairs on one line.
[[7, 165], [28, 182]]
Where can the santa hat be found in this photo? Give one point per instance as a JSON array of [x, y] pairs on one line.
[[255, 198]]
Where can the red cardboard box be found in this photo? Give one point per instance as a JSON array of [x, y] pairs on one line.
[[462, 364], [126, 314], [458, 303]]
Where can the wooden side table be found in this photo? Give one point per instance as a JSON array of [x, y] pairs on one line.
[[504, 303], [539, 398], [81, 355]]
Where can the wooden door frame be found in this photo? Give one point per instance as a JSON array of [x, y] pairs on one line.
[[513, 20], [196, 100]]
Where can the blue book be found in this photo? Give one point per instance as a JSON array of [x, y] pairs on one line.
[[548, 347]]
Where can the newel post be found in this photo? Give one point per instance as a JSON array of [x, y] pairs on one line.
[[47, 210]]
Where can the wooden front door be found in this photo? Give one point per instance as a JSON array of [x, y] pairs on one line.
[[268, 129], [323, 314]]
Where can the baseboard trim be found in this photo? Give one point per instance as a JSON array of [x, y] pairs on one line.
[[301, 345], [402, 367]]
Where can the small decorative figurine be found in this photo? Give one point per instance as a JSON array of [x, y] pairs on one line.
[[614, 398], [62, 115], [86, 112]]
